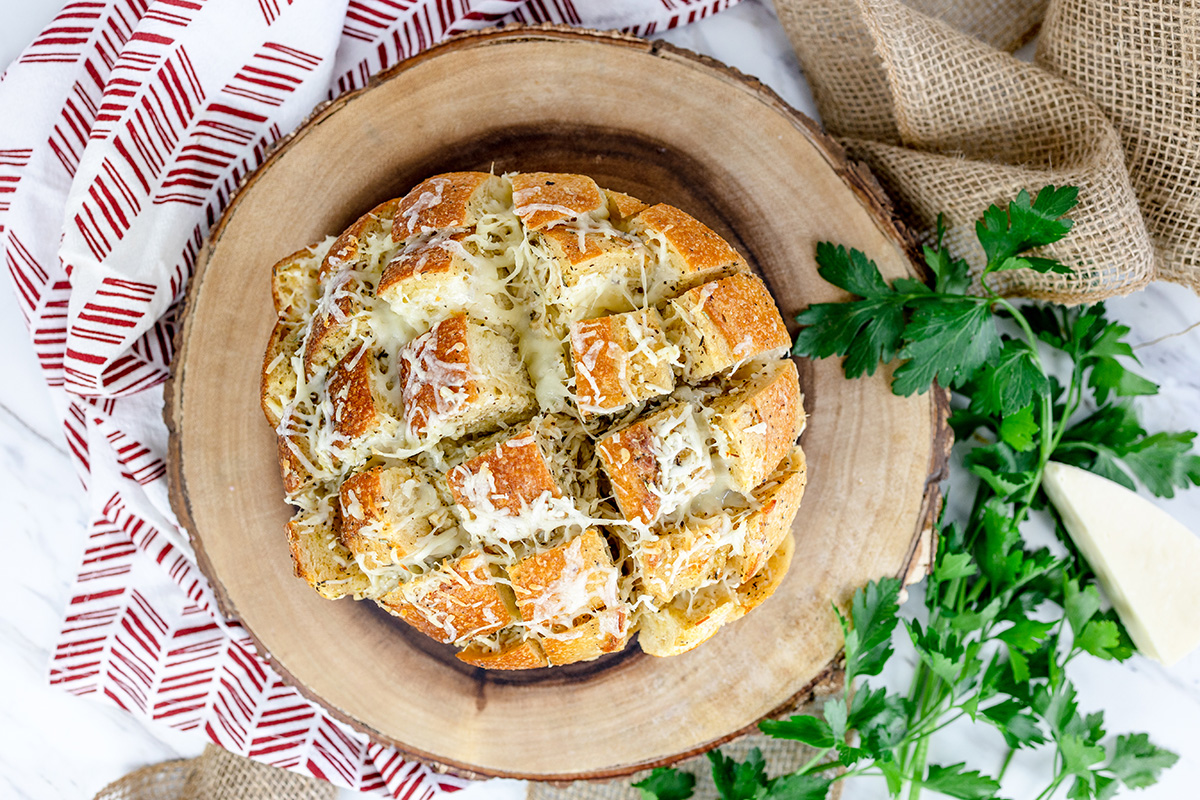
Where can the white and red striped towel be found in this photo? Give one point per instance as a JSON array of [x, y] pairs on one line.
[[127, 126]]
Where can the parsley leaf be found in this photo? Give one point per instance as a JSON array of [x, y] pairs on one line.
[[813, 731], [955, 781], [1009, 383], [948, 341], [1136, 761], [1026, 225], [666, 783], [866, 331], [869, 638]]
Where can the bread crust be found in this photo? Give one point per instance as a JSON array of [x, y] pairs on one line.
[[451, 200], [759, 421], [525, 654], [727, 322], [459, 600], [346, 249], [542, 199], [621, 359], [695, 253], [515, 471], [778, 498], [634, 459]]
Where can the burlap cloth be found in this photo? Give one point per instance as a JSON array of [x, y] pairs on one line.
[[926, 93], [217, 774]]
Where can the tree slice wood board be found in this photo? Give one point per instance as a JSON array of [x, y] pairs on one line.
[[659, 123]]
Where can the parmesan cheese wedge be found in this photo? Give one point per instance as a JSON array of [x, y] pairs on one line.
[[1146, 561]]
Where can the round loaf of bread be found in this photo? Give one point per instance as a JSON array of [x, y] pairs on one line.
[[531, 417]]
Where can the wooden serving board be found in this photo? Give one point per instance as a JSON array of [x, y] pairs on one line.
[[643, 118]]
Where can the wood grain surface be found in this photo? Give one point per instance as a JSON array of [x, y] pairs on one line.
[[643, 118]]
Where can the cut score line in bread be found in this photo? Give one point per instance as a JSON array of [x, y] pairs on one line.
[[532, 417]]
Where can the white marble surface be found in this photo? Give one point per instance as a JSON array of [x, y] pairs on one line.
[[54, 745]]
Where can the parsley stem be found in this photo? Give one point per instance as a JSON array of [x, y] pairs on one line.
[[1007, 760], [812, 764], [917, 775]]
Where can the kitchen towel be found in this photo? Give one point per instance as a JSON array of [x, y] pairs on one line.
[[128, 125]]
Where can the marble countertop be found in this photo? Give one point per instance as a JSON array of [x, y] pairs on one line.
[[55, 745]]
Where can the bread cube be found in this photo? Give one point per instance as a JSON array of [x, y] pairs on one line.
[[690, 252], [620, 360], [777, 500], [516, 654], [462, 377], [603, 632], [358, 392], [429, 276], [321, 559], [559, 586], [543, 199], [506, 479], [688, 621], [592, 272], [622, 206], [295, 286], [684, 557], [452, 200], [390, 514], [657, 464], [763, 584], [724, 323], [757, 423], [277, 386], [457, 601], [349, 249]]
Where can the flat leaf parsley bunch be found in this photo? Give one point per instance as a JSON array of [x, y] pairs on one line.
[[1003, 620]]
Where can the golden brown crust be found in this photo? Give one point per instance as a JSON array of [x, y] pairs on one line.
[[545, 198], [559, 585], [622, 206], [606, 632], [348, 247], [435, 374], [386, 512], [631, 462], [620, 360], [293, 452], [695, 252], [459, 600], [430, 260], [516, 473], [450, 200], [726, 322], [778, 498], [328, 336], [759, 422], [525, 654], [354, 404]]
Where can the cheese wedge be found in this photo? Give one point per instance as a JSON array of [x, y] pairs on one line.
[[1146, 561]]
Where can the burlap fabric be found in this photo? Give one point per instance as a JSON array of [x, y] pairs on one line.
[[216, 775], [927, 95]]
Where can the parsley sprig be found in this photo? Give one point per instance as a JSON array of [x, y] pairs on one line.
[[1002, 620]]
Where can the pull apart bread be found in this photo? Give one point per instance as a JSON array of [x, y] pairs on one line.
[[531, 417]]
